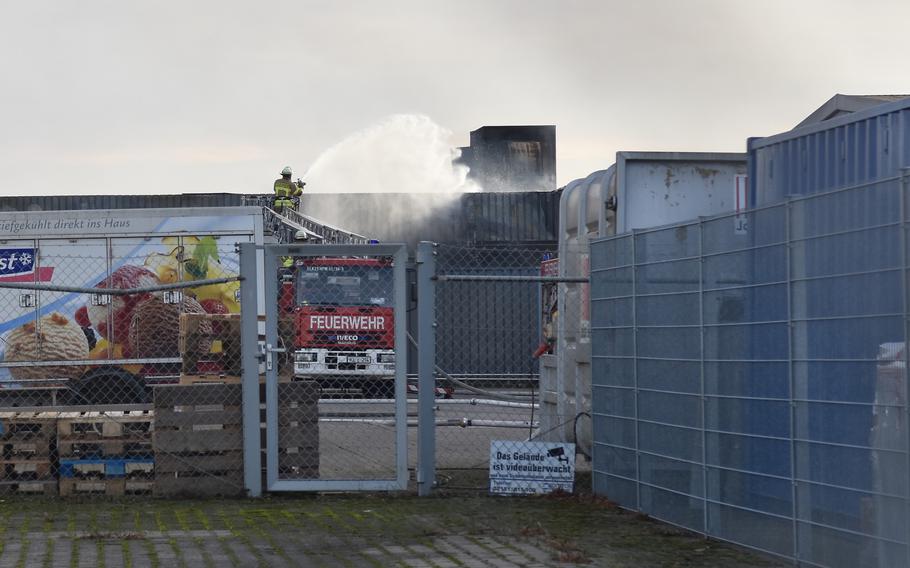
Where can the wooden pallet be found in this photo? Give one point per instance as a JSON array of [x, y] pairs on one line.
[[209, 379], [43, 487], [199, 474], [195, 327], [297, 465], [111, 447], [27, 435], [26, 469], [105, 434], [108, 424], [118, 486], [19, 425], [202, 334], [298, 430], [198, 447], [36, 448], [198, 440], [107, 468]]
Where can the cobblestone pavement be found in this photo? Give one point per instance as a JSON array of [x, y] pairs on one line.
[[342, 530]]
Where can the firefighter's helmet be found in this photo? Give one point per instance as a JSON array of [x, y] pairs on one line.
[[286, 171]]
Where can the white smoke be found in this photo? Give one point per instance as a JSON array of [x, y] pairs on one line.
[[404, 153], [407, 155]]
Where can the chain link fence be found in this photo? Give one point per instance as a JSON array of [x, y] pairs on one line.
[[120, 366], [496, 316], [750, 376], [336, 327]]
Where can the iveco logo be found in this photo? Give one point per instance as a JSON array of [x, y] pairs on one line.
[[347, 338]]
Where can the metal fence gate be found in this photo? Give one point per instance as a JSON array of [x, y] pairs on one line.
[[481, 320], [333, 349]]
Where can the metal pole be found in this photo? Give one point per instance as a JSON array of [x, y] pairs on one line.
[[400, 260], [249, 341], [704, 398], [905, 250], [633, 236], [791, 376], [270, 284], [426, 368], [116, 291]]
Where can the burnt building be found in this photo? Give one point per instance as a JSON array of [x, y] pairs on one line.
[[512, 158]]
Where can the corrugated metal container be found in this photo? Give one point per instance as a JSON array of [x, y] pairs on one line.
[[525, 217], [855, 148], [488, 218], [845, 244], [642, 190], [512, 158], [86, 202]]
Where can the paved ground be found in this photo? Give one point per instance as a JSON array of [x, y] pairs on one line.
[[467, 530]]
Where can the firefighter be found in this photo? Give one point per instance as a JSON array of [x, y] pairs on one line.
[[286, 271], [286, 190]]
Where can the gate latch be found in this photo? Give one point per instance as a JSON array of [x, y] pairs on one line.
[[269, 358]]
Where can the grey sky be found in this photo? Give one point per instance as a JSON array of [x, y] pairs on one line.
[[168, 96]]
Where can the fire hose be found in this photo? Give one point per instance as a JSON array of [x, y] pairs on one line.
[[473, 389], [459, 422]]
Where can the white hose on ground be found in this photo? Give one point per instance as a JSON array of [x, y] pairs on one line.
[[473, 389], [459, 422]]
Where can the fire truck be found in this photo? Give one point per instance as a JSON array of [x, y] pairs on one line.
[[342, 323]]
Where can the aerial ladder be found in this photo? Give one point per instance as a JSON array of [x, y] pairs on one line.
[[290, 225]]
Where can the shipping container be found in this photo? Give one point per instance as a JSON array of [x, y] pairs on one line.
[[641, 190], [512, 158], [831, 153], [776, 346], [840, 171], [64, 253], [479, 218]]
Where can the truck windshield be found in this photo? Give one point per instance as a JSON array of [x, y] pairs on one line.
[[344, 285]]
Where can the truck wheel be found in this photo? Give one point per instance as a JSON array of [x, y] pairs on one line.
[[109, 386]]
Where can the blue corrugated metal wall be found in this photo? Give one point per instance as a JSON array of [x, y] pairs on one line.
[[853, 149], [739, 384]]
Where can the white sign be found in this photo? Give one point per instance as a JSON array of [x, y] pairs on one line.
[[741, 203], [86, 223], [521, 468]]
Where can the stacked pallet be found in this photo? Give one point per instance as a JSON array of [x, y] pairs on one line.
[[209, 379], [298, 430], [198, 438], [26, 452], [209, 346], [107, 452], [209, 338]]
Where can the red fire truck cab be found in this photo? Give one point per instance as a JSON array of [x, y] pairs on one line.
[[344, 324]]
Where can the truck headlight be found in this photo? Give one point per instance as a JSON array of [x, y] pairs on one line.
[[305, 357], [385, 358]]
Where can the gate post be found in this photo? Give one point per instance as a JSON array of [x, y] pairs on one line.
[[426, 368], [249, 341]]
